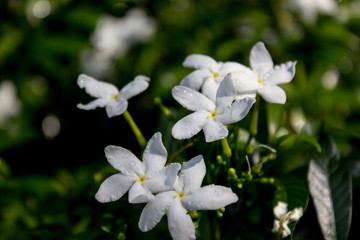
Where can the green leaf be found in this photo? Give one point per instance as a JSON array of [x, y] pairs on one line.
[[331, 191], [291, 139]]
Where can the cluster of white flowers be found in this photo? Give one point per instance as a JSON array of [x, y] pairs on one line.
[[284, 217], [228, 91], [175, 194]]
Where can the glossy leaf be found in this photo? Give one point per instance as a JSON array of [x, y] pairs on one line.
[[291, 139], [331, 191]]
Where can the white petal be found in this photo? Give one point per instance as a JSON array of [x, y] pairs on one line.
[[100, 102], [191, 99], [195, 79], [226, 87], [155, 210], [155, 155], [142, 78], [296, 214], [226, 93], [114, 187], [327, 6], [210, 197], [190, 125], [209, 88], [228, 67], [139, 194], [178, 186], [192, 174], [242, 96], [280, 209], [200, 61], [164, 180], [181, 227], [246, 82], [124, 161], [214, 130], [96, 88], [260, 59], [273, 94], [286, 230], [236, 111], [283, 73], [276, 226], [116, 107], [136, 86]]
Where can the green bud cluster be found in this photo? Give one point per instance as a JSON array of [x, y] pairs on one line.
[[220, 212], [232, 174]]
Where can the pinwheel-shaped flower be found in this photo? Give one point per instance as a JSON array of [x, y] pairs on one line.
[[188, 195], [208, 74], [209, 116], [141, 179], [109, 96], [264, 76], [284, 217]]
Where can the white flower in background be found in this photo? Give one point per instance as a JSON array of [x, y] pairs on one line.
[[209, 116], [10, 105], [113, 37], [141, 179], [109, 96], [264, 77], [309, 9], [284, 217], [208, 74], [187, 195]]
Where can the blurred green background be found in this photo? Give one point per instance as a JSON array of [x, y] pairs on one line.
[[51, 153]]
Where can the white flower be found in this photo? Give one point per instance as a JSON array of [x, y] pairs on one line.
[[10, 105], [188, 195], [109, 96], [141, 179], [284, 217], [113, 37], [208, 74], [309, 9], [209, 116], [264, 76]]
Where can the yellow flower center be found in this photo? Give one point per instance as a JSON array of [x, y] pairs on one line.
[[180, 194], [115, 96], [141, 179], [212, 114], [260, 80], [214, 75]]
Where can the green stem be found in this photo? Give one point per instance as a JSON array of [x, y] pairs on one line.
[[139, 136], [226, 147], [255, 117], [173, 156], [162, 107], [254, 123]]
